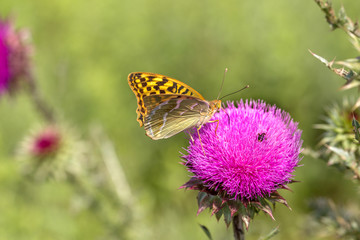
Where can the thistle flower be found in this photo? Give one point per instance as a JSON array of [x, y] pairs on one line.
[[253, 153], [338, 145], [14, 56], [46, 142], [51, 152]]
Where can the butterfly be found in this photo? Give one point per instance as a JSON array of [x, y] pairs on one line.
[[167, 106]]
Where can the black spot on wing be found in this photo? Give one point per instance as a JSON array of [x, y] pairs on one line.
[[175, 86], [186, 91], [160, 83], [137, 75]]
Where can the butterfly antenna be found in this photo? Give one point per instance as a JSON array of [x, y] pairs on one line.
[[222, 84], [234, 92]]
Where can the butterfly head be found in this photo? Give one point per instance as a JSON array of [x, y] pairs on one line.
[[215, 105]]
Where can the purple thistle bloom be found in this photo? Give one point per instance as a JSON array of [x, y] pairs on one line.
[[254, 152]]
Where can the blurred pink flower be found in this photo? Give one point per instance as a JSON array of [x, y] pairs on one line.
[[46, 142], [14, 56]]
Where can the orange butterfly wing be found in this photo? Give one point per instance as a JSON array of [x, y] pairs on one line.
[[145, 84]]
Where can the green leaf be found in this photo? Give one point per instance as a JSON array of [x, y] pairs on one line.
[[206, 231]]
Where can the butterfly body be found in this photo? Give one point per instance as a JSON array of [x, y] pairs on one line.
[[167, 106]]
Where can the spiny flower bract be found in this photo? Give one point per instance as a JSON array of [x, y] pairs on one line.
[[338, 144]]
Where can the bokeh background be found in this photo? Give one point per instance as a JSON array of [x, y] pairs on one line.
[[83, 52]]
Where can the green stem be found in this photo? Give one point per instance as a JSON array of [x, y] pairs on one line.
[[43, 108], [238, 227]]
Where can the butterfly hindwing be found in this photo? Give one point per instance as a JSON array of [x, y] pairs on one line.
[[146, 84], [170, 114]]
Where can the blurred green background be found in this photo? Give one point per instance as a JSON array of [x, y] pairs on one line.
[[83, 52]]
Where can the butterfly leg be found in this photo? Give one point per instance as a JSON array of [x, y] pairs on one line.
[[217, 125], [189, 133], [200, 138]]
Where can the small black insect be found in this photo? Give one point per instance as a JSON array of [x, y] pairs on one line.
[[261, 137]]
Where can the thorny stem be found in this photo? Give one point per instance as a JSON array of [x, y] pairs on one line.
[[344, 23], [238, 227], [42, 107]]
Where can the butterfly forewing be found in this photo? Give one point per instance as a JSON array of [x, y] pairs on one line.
[[171, 114], [145, 84]]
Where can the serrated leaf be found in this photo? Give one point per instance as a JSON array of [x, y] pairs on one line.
[[203, 202], [252, 210], [206, 231], [227, 216], [216, 206], [264, 206], [281, 200], [286, 187], [201, 196], [233, 207], [191, 184], [219, 214]]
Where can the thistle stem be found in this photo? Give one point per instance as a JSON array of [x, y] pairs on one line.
[[238, 227], [43, 108]]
